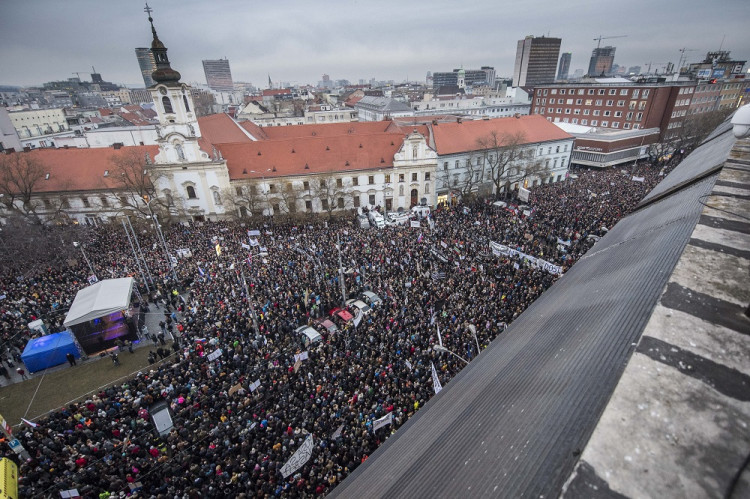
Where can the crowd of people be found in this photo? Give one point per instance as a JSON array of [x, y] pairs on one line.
[[239, 417]]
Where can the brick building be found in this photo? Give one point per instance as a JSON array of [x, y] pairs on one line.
[[616, 103]]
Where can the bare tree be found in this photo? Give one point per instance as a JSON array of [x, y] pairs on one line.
[[328, 188], [20, 178], [133, 185], [503, 156], [245, 199], [682, 140], [288, 197]]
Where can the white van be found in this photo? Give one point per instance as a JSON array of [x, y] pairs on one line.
[[308, 335], [376, 219], [421, 211], [397, 218]]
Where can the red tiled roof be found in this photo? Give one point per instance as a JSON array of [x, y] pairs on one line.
[[132, 108], [104, 111], [320, 154], [254, 130], [282, 91], [134, 119], [326, 130], [83, 169], [221, 129], [451, 138], [353, 100]]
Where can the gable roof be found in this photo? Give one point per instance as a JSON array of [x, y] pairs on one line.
[[452, 138], [320, 154], [82, 169], [221, 129], [326, 130]]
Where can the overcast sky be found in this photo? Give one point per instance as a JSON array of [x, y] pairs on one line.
[[297, 41]]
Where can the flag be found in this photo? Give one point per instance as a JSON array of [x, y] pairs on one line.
[[200, 271], [435, 381], [337, 433], [245, 246], [419, 239], [93, 279], [249, 259], [30, 423], [299, 458], [254, 242], [440, 338], [384, 421], [436, 276], [218, 249], [408, 364]]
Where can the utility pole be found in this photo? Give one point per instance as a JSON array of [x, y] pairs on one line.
[[160, 235], [137, 260], [341, 272], [140, 252], [80, 245]]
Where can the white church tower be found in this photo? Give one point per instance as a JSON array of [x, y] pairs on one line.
[[195, 180], [178, 127]]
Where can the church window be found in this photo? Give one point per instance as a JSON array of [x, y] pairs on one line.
[[180, 152], [187, 106], [217, 197], [167, 105], [191, 192]]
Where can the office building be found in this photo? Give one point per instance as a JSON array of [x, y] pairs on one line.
[[471, 77], [218, 75], [564, 68], [147, 64], [536, 61], [602, 59]]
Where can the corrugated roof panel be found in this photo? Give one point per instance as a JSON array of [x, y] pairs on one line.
[[513, 422]]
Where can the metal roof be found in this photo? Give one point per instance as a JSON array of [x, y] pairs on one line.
[[515, 420]]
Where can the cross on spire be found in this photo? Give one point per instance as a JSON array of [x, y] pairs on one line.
[[148, 10]]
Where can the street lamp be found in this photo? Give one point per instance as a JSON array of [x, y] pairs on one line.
[[79, 245], [439, 348]]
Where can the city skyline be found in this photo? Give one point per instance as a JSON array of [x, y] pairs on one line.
[[296, 44]]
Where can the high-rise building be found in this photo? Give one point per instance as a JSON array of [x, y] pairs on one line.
[[536, 61], [601, 61], [147, 64], [564, 68], [218, 75], [472, 77]]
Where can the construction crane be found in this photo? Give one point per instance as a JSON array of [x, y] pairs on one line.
[[79, 73], [682, 56], [600, 38]]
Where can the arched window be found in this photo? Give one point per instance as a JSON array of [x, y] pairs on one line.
[[187, 106], [167, 105], [217, 197], [191, 192]]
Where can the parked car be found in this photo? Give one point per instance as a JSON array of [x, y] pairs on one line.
[[327, 326], [363, 222], [397, 218], [308, 336], [371, 298], [342, 316], [376, 219], [359, 305]]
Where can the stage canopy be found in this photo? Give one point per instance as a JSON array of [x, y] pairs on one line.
[[103, 298], [48, 351]]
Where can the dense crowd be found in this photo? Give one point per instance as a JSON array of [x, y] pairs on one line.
[[231, 439]]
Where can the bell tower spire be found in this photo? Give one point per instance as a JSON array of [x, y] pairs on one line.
[[178, 128], [164, 72]]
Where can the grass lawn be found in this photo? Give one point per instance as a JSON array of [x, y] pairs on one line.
[[65, 385]]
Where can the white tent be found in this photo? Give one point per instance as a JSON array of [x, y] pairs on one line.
[[103, 298]]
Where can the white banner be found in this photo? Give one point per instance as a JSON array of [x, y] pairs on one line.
[[254, 242], [300, 356], [252, 233], [299, 458], [500, 249], [523, 194], [254, 385], [435, 381], [384, 421], [245, 246], [214, 355], [638, 179], [415, 224]]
